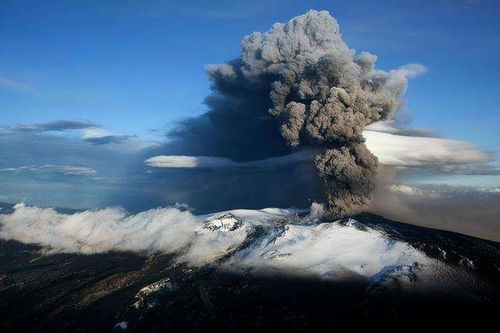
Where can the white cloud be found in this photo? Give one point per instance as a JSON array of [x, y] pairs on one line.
[[202, 239], [411, 151], [163, 230], [96, 132], [180, 161]]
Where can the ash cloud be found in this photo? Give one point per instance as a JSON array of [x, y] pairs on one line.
[[465, 209], [299, 85]]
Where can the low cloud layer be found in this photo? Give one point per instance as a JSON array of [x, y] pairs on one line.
[[164, 230], [287, 245]]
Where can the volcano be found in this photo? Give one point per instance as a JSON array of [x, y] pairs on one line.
[[277, 269]]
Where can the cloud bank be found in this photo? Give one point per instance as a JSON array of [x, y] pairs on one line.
[[287, 245]]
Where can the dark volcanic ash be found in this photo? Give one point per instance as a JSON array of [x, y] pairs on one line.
[[302, 81]]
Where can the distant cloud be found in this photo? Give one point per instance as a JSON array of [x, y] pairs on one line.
[[55, 126], [90, 132], [10, 84], [67, 170], [103, 140], [99, 136]]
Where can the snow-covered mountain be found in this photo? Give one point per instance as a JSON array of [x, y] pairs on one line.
[[167, 269]]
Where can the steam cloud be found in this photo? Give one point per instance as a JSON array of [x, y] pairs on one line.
[[299, 81]]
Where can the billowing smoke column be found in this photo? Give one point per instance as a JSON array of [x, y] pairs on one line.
[[321, 93], [298, 85]]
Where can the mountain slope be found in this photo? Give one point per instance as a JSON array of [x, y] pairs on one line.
[[257, 270]]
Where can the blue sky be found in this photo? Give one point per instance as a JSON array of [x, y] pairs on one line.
[[137, 67], [132, 66]]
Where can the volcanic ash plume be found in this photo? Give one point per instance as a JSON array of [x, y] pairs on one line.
[[320, 92]]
